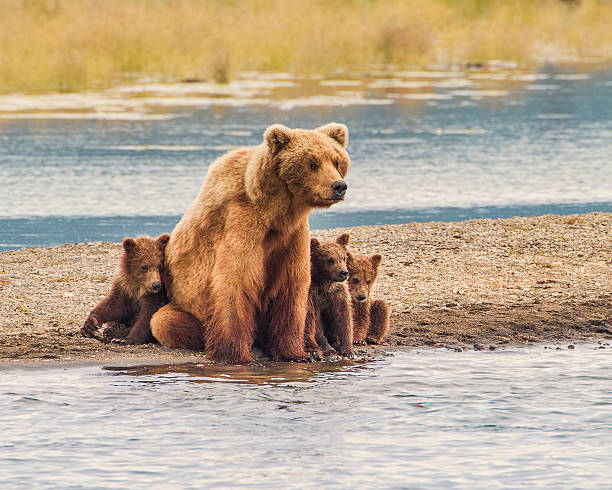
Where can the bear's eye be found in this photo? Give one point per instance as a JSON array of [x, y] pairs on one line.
[[336, 164], [330, 261], [314, 165], [355, 280], [145, 268]]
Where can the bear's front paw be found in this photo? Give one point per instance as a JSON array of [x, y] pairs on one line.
[[316, 355], [330, 352], [345, 351], [90, 327], [359, 342], [370, 340]]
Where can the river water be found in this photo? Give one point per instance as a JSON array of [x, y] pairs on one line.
[[434, 145], [530, 418]]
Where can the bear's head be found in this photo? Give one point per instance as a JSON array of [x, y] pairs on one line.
[[363, 271], [311, 163], [328, 259], [142, 263]]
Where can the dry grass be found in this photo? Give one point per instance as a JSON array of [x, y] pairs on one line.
[[77, 44]]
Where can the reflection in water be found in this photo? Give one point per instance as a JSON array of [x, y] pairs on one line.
[[271, 374]]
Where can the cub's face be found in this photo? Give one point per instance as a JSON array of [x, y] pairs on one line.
[[328, 260], [143, 262], [363, 272], [312, 164]]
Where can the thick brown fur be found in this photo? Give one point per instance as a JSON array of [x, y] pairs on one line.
[[136, 294], [329, 319], [370, 317], [239, 257]]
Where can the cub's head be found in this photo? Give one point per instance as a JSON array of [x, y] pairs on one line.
[[328, 259], [142, 263], [363, 272], [312, 163]]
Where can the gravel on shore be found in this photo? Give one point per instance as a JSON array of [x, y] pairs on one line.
[[480, 284]]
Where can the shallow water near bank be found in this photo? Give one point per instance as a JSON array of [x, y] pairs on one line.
[[430, 145], [531, 417]]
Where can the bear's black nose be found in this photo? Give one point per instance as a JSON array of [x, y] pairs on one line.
[[344, 273], [339, 187], [156, 286], [361, 297]]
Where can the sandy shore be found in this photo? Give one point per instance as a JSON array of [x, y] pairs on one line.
[[480, 284]]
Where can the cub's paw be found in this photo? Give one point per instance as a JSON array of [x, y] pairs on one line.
[[90, 327], [114, 331]]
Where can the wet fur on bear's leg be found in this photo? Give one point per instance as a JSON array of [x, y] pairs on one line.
[[177, 329], [310, 342], [379, 321], [287, 298]]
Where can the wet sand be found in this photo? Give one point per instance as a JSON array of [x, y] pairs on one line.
[[480, 284]]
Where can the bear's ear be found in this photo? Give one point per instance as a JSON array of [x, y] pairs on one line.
[[277, 137], [336, 131], [128, 244], [343, 239], [314, 243], [162, 240], [376, 259]]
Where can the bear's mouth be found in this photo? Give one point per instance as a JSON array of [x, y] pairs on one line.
[[331, 199]]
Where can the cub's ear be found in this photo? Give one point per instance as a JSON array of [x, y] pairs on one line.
[[343, 239], [277, 137], [336, 131], [349, 258], [376, 259], [314, 243], [128, 244], [162, 240]]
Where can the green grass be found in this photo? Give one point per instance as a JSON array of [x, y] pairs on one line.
[[69, 45]]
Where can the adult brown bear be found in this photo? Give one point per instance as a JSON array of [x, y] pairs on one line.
[[240, 256]]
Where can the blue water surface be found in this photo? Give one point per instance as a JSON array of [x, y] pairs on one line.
[[543, 146]]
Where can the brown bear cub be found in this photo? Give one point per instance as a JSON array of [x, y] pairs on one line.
[[370, 317], [137, 292], [329, 318]]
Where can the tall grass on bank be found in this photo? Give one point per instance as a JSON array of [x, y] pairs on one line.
[[78, 44]]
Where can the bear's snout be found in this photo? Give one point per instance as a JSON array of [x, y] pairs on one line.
[[344, 273], [156, 287], [339, 189]]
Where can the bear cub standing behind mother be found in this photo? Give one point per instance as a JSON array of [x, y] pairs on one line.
[[239, 259]]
